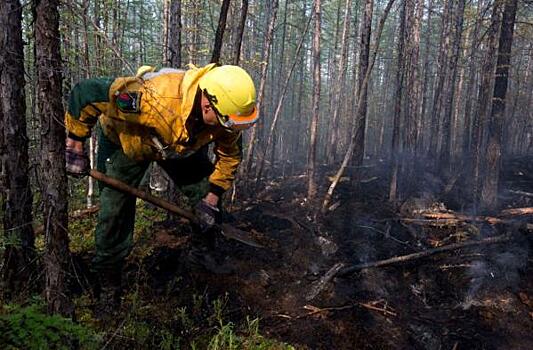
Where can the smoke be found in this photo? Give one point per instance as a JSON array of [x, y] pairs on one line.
[[497, 271]]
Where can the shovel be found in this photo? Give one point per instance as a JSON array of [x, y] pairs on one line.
[[227, 230]]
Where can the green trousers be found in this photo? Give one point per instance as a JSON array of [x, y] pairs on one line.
[[114, 229]]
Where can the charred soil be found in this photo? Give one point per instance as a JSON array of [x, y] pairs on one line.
[[473, 298]]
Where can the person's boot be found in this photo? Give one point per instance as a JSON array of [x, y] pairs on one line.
[[108, 293]]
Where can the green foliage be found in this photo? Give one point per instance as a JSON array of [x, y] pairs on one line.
[[227, 339], [138, 330], [228, 336], [145, 217], [81, 234], [31, 328], [202, 325]]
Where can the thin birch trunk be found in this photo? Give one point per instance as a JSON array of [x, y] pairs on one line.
[[92, 139]]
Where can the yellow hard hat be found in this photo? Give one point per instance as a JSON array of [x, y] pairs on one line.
[[143, 70], [231, 92]]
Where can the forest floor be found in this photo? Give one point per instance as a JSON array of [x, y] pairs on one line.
[[474, 298]]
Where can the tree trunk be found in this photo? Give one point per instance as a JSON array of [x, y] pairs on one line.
[[166, 27], [522, 142], [425, 83], [219, 35], [52, 168], [414, 12], [467, 134], [442, 71], [311, 155], [239, 33], [337, 91], [446, 150], [489, 193], [366, 32], [487, 73], [16, 192], [398, 97], [87, 75], [174, 40]]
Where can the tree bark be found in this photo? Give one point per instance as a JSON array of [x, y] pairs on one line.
[[414, 11], [311, 152], [425, 83], [52, 167], [166, 30], [398, 97], [174, 40], [364, 56], [446, 149], [489, 193], [337, 91], [487, 73], [219, 35], [17, 196], [239, 33]]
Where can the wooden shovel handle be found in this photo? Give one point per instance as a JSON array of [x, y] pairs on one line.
[[121, 186]]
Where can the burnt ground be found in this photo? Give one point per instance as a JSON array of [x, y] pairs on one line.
[[475, 298]]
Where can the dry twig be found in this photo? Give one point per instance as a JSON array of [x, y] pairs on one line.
[[339, 270], [371, 306]]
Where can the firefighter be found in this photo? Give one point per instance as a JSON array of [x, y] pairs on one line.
[[170, 117]]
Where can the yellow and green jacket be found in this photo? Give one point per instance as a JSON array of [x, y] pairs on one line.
[[132, 110]]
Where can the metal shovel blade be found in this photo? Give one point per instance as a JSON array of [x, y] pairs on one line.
[[231, 232]]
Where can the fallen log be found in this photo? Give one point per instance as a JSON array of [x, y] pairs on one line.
[[517, 212], [340, 270], [414, 256], [453, 218]]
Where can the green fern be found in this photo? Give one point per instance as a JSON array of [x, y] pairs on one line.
[[30, 328]]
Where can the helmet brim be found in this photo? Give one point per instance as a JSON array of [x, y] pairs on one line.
[[244, 120]]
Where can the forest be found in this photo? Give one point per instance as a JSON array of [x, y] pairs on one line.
[[384, 197]]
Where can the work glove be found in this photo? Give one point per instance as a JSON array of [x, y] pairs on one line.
[[207, 215], [77, 162]]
